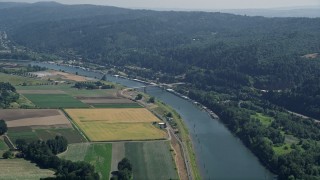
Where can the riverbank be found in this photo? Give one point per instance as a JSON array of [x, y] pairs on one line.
[[180, 135]]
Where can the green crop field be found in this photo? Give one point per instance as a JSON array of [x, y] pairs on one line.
[[3, 147], [55, 101], [19, 80], [30, 134], [98, 155], [12, 169], [127, 105], [151, 160], [22, 132]]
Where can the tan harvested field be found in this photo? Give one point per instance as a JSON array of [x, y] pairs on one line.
[[103, 100], [34, 117], [69, 76], [41, 92], [113, 115], [62, 75], [14, 114], [117, 124], [13, 169]]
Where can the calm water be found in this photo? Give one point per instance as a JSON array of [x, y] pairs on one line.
[[220, 155]]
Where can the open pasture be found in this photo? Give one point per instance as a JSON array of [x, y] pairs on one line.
[[12, 169], [55, 101], [41, 91], [117, 124]]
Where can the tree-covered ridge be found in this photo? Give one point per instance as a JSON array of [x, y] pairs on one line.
[[303, 99], [265, 51]]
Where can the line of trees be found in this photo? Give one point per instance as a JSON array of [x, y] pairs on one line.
[[93, 85], [44, 154]]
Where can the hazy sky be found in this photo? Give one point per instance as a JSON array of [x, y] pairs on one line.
[[192, 4]]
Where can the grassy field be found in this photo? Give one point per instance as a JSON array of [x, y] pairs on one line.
[[116, 124], [55, 101], [30, 134], [13, 169], [265, 120], [67, 88], [3, 146], [129, 105], [151, 160], [19, 80], [281, 150], [98, 155], [24, 102]]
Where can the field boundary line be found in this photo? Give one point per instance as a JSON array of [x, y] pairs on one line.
[[75, 125], [8, 141]]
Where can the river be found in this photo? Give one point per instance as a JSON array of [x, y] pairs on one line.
[[220, 155]]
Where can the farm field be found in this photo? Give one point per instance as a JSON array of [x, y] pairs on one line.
[[151, 160], [34, 124], [112, 115], [3, 146], [54, 101], [58, 75], [117, 124], [12, 169], [31, 134], [98, 155], [19, 80], [105, 100], [120, 105], [34, 117], [68, 89]]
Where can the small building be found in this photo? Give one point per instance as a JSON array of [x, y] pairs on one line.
[[162, 125]]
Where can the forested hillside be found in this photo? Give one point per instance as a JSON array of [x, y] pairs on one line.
[[249, 70]]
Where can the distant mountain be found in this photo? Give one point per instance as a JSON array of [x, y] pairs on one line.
[[18, 14], [4, 5], [303, 12]]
